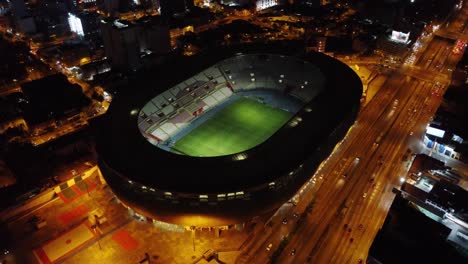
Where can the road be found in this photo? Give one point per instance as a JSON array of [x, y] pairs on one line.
[[352, 190], [358, 193]]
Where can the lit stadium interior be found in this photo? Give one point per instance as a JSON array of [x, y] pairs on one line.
[[230, 107], [232, 136]]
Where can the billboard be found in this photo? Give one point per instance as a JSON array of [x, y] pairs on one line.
[[399, 36], [435, 132], [75, 24]]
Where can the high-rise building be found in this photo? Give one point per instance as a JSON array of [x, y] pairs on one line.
[[263, 4], [121, 44], [154, 36], [26, 25], [89, 3], [111, 6], [148, 4], [171, 7], [236, 2], [321, 44], [71, 5], [125, 43], [19, 9], [84, 24]]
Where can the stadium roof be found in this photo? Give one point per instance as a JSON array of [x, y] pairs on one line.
[[123, 148]]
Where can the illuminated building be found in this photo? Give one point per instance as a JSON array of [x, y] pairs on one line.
[[235, 2], [84, 24], [321, 44], [232, 188], [78, 5], [400, 37], [75, 24], [264, 4]]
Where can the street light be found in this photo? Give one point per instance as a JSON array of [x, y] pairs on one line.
[[94, 227], [193, 236]]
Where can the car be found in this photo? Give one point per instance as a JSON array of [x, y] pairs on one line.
[[5, 251], [285, 221], [293, 252], [268, 248], [364, 195], [351, 240]]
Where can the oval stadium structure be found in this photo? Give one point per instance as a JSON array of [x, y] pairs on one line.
[[221, 137]]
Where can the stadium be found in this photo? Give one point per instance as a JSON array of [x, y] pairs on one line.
[[221, 137]]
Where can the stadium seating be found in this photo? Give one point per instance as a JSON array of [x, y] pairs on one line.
[[168, 113]]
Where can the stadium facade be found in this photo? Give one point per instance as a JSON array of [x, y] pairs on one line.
[[223, 190]]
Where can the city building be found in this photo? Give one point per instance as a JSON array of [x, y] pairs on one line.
[[408, 236], [155, 37], [434, 191], [81, 5], [321, 44], [27, 25], [121, 44], [236, 2], [316, 43], [264, 4], [51, 98], [88, 4], [89, 70], [449, 198], [126, 43], [153, 177], [169, 8], [19, 8], [84, 24], [111, 7], [447, 133]]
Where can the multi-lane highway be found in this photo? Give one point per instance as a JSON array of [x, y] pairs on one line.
[[353, 200], [352, 190]]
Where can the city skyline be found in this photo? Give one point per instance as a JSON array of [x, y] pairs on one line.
[[241, 131]]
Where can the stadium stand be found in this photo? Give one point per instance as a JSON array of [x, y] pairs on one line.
[[166, 114], [166, 184]]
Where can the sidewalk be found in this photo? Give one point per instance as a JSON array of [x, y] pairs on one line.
[[70, 237]]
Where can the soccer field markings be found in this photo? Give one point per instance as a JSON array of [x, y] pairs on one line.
[[253, 120]]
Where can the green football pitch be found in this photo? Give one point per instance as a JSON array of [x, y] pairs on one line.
[[241, 125]]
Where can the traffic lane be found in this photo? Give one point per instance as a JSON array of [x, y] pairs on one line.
[[399, 138]]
